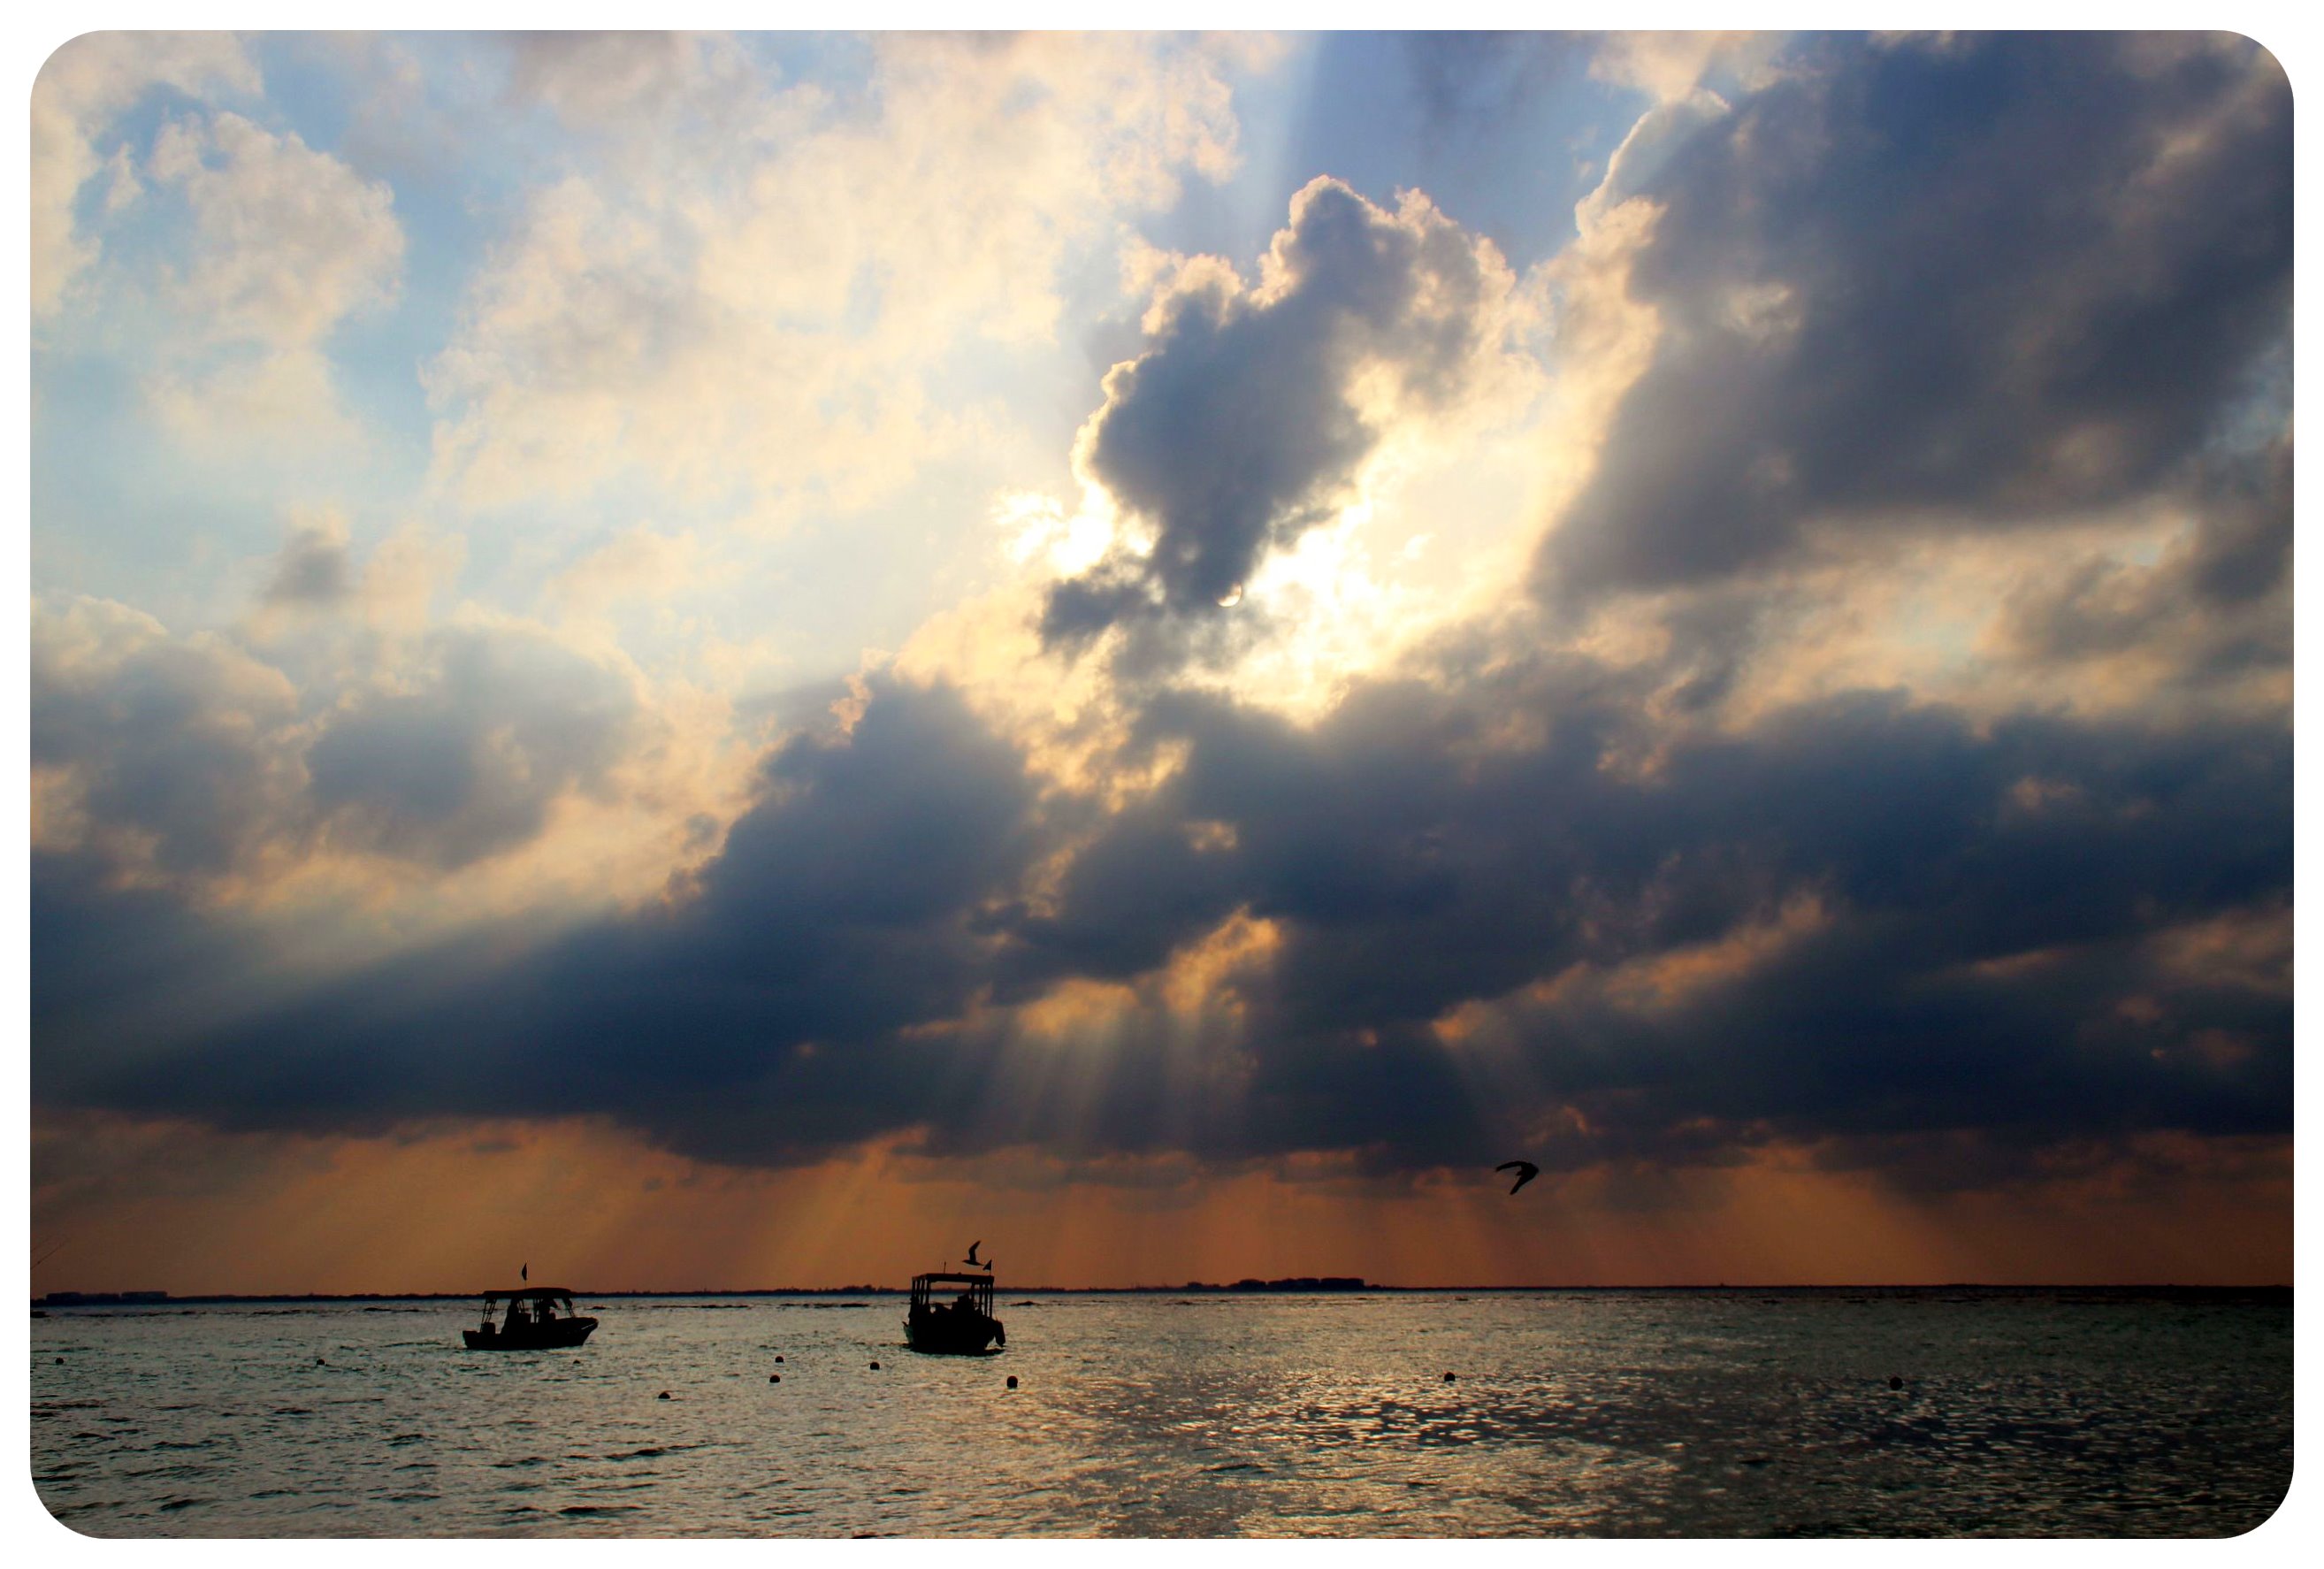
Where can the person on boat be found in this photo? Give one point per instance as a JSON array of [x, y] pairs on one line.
[[520, 1316]]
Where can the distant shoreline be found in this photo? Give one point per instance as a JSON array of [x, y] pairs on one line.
[[1298, 1286]]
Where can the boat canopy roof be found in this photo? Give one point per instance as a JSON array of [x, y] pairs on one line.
[[532, 1294], [920, 1282]]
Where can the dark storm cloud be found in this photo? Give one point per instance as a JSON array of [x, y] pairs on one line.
[[1988, 904], [114, 964], [2243, 549], [1988, 282], [2219, 604], [767, 1012], [1991, 902], [1238, 428]]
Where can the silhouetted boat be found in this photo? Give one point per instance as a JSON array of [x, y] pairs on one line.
[[962, 1327], [531, 1323]]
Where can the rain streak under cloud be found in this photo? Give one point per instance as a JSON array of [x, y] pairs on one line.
[[1138, 633]]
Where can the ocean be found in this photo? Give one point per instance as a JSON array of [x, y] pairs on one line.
[[1727, 1413]]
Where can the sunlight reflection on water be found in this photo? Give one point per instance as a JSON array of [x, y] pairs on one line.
[[1594, 1414]]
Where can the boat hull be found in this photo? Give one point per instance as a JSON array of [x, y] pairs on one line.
[[555, 1335], [952, 1340]]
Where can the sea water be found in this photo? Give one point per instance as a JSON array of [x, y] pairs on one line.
[[1585, 1413]]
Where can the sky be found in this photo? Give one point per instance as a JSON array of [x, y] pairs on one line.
[[734, 661]]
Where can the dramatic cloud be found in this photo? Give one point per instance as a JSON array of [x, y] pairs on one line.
[[1863, 919], [1246, 421], [1969, 287], [1873, 897]]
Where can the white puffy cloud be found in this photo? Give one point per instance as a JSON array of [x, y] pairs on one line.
[[287, 241], [242, 402], [638, 565], [82, 87], [770, 304], [1672, 66]]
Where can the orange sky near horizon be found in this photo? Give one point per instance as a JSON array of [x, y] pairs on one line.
[[459, 1209]]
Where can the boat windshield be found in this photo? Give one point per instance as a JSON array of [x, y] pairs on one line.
[[966, 1294], [528, 1307]]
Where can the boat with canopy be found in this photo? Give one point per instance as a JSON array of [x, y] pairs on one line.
[[532, 1322], [963, 1327]]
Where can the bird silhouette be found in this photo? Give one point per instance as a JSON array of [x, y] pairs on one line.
[[1526, 1169], [972, 1261]]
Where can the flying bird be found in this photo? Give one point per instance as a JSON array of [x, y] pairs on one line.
[[972, 1261], [1526, 1169]]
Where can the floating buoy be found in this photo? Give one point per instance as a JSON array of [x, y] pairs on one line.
[[875, 1367], [1895, 1382], [1448, 1377], [779, 1359], [663, 1395], [774, 1377], [1012, 1380]]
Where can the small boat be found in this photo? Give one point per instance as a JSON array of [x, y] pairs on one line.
[[962, 1327], [532, 1322]]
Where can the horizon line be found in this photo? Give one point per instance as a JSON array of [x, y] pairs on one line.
[[1305, 1285]]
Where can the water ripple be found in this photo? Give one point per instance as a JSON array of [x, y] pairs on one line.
[[1585, 1413]]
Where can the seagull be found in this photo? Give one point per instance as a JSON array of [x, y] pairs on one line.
[[1526, 1169], [972, 1261]]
